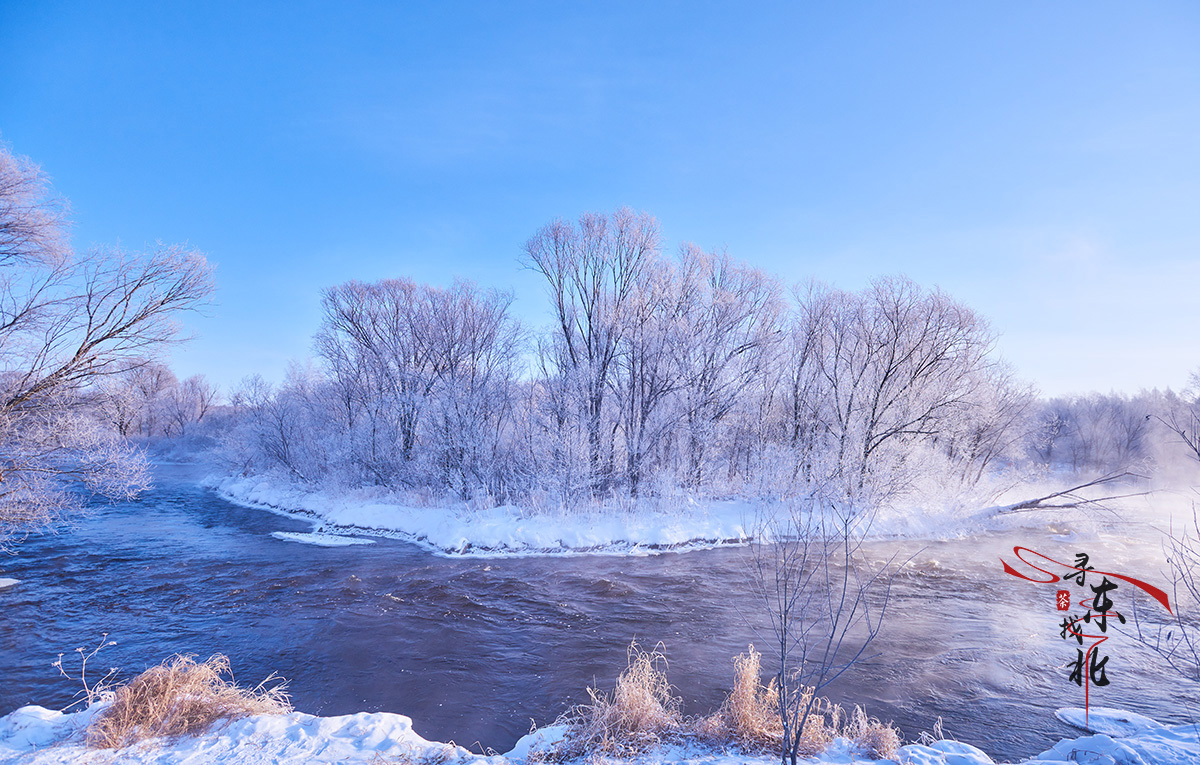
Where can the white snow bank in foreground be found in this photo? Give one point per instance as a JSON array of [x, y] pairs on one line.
[[1124, 738], [37, 736], [1112, 722], [6, 583], [504, 530], [321, 540]]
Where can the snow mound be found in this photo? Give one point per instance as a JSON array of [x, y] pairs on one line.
[[1111, 722], [1123, 738], [6, 583], [539, 740], [321, 539], [40, 736], [645, 526], [840, 752], [943, 753]]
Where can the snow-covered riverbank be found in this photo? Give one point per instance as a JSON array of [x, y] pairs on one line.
[[650, 526], [504, 530], [37, 736]]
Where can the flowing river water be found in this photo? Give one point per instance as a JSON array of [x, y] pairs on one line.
[[474, 650]]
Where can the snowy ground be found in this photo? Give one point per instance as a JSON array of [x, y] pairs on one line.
[[504, 530], [37, 736], [653, 526]]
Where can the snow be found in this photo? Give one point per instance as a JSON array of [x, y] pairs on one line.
[[36, 736], [6, 583], [321, 539], [504, 530], [39, 736], [943, 753], [540, 739], [644, 527], [1113, 722]]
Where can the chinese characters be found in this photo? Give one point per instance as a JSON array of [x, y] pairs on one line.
[[1096, 617], [1088, 630]]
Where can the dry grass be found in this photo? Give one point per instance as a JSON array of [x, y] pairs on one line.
[[749, 719], [180, 697], [880, 740], [636, 717], [641, 714], [433, 756], [750, 715], [939, 734]]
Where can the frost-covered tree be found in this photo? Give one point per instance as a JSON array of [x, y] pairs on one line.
[[1098, 433], [420, 380], [474, 345], [147, 400], [1179, 413], [187, 403], [645, 375], [731, 327], [592, 270], [371, 338], [918, 368], [68, 322], [153, 385], [993, 429], [117, 405], [878, 383]]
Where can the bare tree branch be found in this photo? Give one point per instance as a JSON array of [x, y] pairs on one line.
[[69, 321], [1071, 497]]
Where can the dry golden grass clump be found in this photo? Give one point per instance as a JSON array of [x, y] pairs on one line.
[[881, 740], [180, 697], [750, 715], [635, 718], [749, 719]]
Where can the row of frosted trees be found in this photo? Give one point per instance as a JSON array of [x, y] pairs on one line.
[[659, 374], [145, 400], [1151, 431]]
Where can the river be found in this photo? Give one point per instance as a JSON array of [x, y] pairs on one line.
[[475, 650]]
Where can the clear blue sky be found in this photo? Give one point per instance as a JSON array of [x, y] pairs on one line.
[[1039, 161]]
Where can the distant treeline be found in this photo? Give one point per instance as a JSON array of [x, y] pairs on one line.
[[691, 373]]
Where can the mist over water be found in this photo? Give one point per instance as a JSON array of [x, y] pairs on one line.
[[474, 650]]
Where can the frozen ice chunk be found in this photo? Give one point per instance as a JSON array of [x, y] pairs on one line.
[[322, 540]]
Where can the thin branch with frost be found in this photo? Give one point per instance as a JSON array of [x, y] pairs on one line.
[[1071, 498]]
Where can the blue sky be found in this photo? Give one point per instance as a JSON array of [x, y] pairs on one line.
[[1041, 162]]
